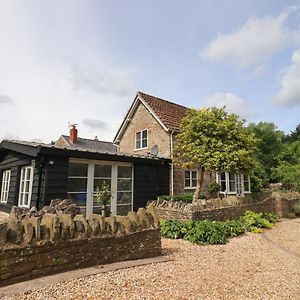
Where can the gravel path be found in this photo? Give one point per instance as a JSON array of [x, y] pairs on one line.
[[254, 266]]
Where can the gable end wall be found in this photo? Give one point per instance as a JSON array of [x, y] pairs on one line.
[[142, 119]]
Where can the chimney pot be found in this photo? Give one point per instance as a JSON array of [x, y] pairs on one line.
[[73, 134]]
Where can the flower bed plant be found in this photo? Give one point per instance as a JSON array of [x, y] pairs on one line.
[[217, 232]]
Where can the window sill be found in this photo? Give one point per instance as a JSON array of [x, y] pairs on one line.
[[141, 149]]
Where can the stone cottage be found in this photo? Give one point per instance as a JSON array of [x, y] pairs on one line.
[[150, 128]]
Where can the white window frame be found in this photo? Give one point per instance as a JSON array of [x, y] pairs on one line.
[[190, 186], [141, 140], [6, 174], [227, 191], [22, 187], [90, 183]]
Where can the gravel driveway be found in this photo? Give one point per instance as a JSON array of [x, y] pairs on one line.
[[253, 266]]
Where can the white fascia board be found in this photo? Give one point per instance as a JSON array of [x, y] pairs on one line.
[[126, 120]]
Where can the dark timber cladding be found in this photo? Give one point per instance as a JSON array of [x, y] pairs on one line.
[[50, 181]]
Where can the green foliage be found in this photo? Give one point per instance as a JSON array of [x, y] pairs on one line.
[[171, 229], [294, 135], [202, 195], [215, 140], [269, 146], [103, 197], [296, 207], [216, 232], [214, 187], [288, 168], [252, 219], [291, 215], [183, 197]]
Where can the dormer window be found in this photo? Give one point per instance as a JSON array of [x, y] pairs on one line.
[[141, 139]]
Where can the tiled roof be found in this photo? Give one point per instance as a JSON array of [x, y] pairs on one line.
[[169, 113], [87, 144], [38, 146]]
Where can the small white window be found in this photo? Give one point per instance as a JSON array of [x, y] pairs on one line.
[[25, 186], [141, 139], [5, 186], [190, 179]]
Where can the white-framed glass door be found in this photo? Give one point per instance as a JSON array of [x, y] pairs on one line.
[[86, 175]]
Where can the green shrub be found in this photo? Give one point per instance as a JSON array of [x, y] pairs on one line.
[[216, 232], [171, 229], [296, 207], [214, 187], [291, 215], [202, 195]]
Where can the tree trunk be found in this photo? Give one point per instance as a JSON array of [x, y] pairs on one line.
[[200, 171]]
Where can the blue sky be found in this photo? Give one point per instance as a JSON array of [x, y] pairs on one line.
[[83, 61]]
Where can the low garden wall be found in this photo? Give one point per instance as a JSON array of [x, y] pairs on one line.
[[51, 243], [278, 203]]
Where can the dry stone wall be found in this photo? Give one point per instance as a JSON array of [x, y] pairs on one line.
[[40, 245], [223, 209]]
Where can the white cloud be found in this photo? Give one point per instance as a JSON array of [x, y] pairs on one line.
[[254, 43], [6, 99], [103, 81], [232, 102], [289, 93], [95, 124]]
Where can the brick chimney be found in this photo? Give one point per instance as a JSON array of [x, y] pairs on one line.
[[73, 134]]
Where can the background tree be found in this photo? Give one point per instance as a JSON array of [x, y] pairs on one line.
[[214, 140], [294, 135], [287, 170], [269, 146]]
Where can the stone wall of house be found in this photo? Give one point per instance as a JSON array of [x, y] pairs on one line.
[[223, 209], [141, 120], [179, 174], [35, 246]]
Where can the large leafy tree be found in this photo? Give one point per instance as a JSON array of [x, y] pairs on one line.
[[214, 140], [288, 169], [269, 145]]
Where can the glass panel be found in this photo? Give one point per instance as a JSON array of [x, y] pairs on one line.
[[246, 185], [124, 184], [194, 182], [138, 144], [144, 143], [145, 134], [122, 210], [27, 186], [25, 199], [223, 186], [124, 172], [123, 197], [187, 183], [223, 176], [187, 174], [78, 198], [78, 169], [138, 135], [77, 185], [231, 176], [100, 182], [232, 186], [194, 174], [102, 171]]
